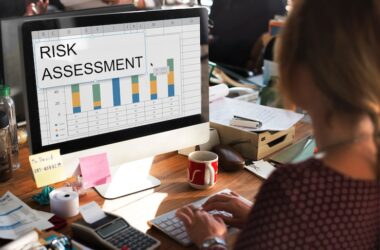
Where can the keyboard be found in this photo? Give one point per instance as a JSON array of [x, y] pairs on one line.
[[174, 228]]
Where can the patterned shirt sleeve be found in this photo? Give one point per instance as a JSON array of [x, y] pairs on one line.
[[310, 206], [272, 219]]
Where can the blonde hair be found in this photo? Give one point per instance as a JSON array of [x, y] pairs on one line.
[[338, 41]]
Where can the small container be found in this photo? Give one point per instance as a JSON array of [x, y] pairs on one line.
[[5, 148]]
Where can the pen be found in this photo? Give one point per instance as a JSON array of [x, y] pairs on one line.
[[245, 122]]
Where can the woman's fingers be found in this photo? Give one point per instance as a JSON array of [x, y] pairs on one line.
[[186, 214], [218, 205], [184, 218], [218, 198], [226, 219]]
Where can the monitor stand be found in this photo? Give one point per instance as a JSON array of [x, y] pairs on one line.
[[129, 178]]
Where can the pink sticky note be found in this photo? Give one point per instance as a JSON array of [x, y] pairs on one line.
[[95, 170]]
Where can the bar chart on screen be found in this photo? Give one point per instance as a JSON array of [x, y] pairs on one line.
[[167, 85]]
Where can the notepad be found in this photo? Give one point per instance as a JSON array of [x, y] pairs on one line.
[[47, 168], [95, 170]]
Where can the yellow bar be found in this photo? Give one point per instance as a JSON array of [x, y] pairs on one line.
[[171, 77], [76, 99], [135, 88], [153, 87], [97, 104]]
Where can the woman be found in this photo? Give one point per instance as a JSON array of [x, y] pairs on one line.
[[329, 63]]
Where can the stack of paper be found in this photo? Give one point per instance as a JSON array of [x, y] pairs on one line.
[[17, 218], [222, 111]]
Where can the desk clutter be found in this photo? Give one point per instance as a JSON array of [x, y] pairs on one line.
[[273, 131], [254, 145], [97, 229], [18, 218], [36, 239]]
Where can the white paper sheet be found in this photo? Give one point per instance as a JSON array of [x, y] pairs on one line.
[[223, 110], [44, 215], [17, 218], [92, 212], [261, 168]]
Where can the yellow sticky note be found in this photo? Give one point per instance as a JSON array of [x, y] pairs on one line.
[[47, 167]]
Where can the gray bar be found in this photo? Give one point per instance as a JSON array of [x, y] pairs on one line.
[[133, 26], [127, 26], [86, 31], [140, 25], [172, 22], [154, 24], [97, 30], [69, 32], [44, 34], [190, 21], [53, 33], [113, 28]]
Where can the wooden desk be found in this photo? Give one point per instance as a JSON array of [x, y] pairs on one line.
[[137, 209]]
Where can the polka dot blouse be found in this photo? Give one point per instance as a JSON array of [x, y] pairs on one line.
[[310, 206]]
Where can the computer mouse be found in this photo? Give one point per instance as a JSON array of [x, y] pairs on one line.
[[229, 159]]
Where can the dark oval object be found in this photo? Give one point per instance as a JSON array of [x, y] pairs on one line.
[[229, 159]]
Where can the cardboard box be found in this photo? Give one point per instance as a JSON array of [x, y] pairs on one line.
[[254, 145]]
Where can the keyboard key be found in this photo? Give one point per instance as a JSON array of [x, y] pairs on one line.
[[170, 228], [175, 232], [163, 224]]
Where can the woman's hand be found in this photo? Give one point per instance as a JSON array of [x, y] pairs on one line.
[[231, 203], [201, 225]]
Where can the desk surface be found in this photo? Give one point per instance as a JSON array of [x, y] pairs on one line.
[[137, 209]]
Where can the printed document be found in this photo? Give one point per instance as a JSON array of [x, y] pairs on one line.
[[222, 111], [17, 218]]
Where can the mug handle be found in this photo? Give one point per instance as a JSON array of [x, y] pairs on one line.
[[211, 170]]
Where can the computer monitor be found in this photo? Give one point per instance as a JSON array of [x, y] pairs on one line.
[[237, 26], [132, 85], [11, 61]]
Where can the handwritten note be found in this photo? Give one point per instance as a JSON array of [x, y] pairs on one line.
[[95, 170], [47, 167]]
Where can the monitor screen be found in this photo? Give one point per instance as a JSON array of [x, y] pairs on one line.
[[238, 29], [94, 81], [11, 61]]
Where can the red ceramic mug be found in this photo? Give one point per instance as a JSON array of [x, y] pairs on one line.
[[202, 169]]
